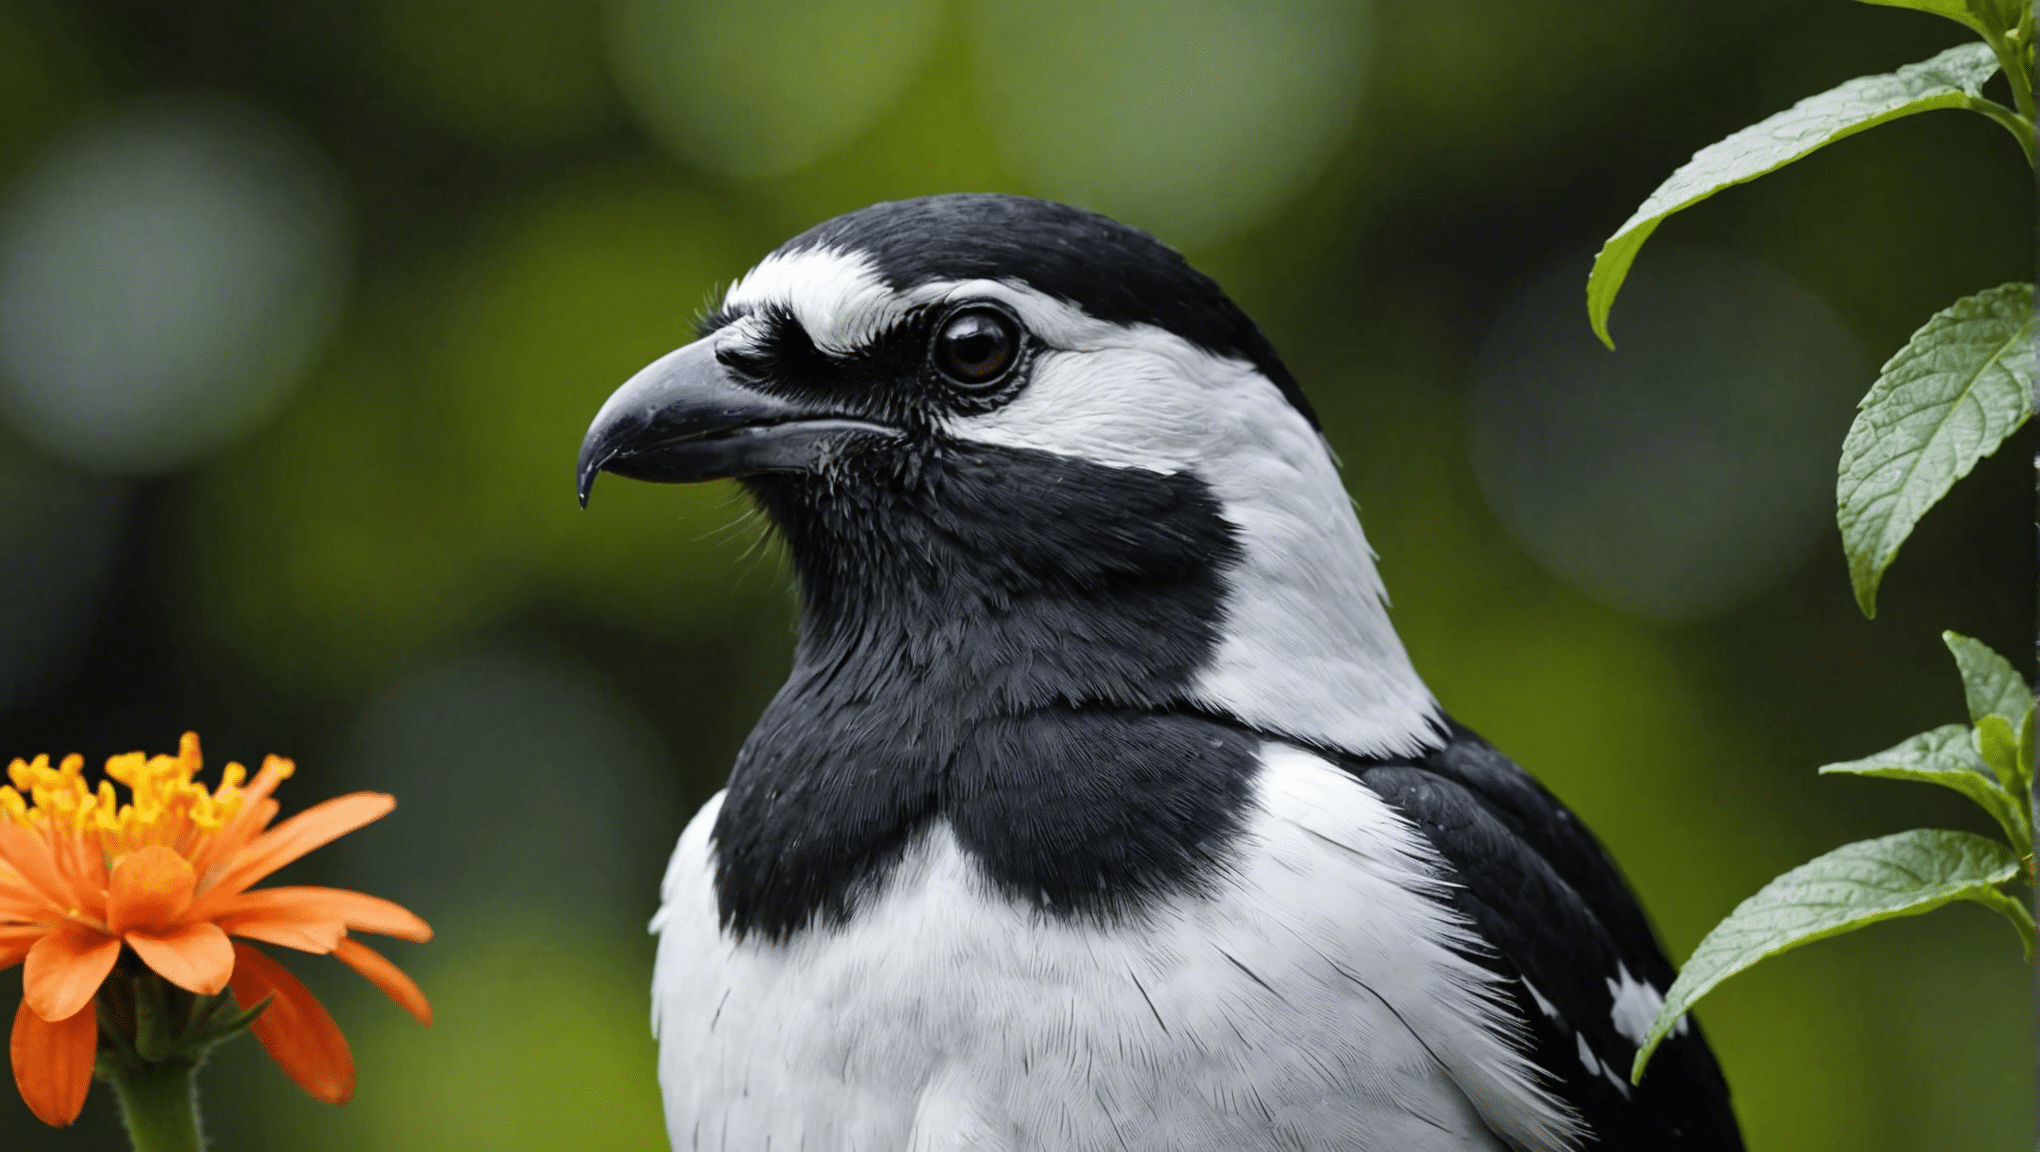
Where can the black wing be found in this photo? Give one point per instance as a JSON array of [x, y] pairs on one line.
[[1571, 941]]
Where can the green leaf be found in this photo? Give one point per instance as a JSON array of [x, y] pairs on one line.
[[1853, 886], [1999, 746], [2015, 911], [1949, 80], [224, 1020], [1952, 9], [1985, 17], [1947, 399], [1989, 682], [1946, 757], [2025, 781]]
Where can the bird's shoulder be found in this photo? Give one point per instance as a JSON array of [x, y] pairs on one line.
[[1572, 943]]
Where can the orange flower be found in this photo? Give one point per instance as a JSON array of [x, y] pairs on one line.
[[168, 876]]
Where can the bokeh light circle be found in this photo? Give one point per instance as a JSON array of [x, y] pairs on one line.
[[168, 271], [762, 87], [1691, 469], [1190, 118]]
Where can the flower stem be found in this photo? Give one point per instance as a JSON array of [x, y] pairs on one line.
[[159, 1101]]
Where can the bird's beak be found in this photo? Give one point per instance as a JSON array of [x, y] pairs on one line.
[[686, 418]]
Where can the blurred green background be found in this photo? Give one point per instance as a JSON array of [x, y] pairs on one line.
[[304, 307]]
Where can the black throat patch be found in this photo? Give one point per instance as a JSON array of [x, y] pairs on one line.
[[999, 640]]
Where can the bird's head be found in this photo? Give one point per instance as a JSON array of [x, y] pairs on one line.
[[1031, 451]]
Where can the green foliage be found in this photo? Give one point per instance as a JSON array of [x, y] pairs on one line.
[[1856, 885], [1986, 18], [1998, 744], [1989, 760], [392, 580], [1990, 685], [1951, 79], [1961, 385], [1946, 756], [144, 1020]]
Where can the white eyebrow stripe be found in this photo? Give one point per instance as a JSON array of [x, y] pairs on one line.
[[843, 303], [837, 296], [747, 329]]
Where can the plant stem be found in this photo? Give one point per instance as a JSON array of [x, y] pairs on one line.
[[2019, 71], [159, 1101], [2020, 127], [2012, 57]]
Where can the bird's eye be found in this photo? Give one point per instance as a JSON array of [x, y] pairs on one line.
[[976, 346]]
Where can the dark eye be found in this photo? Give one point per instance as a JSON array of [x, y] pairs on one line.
[[976, 346]]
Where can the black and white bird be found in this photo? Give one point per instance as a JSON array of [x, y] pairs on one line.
[[1102, 808]]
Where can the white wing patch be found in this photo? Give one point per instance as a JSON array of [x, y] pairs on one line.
[[1549, 1009], [1637, 1004], [1596, 1068]]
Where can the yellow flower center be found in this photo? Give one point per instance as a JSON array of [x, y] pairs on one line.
[[166, 805]]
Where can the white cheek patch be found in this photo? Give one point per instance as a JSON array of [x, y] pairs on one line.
[[1306, 647], [1140, 397], [1119, 407]]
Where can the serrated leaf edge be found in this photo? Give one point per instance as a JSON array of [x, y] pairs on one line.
[[1866, 570], [1612, 263], [1974, 658], [1974, 780], [1684, 993]]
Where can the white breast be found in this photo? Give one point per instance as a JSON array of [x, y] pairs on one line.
[[1313, 1002]]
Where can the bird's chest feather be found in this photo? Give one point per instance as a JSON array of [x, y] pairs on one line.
[[1310, 996]]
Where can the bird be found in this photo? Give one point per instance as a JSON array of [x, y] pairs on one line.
[[1102, 807]]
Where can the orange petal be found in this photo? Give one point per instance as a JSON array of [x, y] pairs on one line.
[[257, 810], [313, 828], [387, 976], [29, 857], [85, 866], [357, 910], [304, 935], [53, 1062], [195, 957], [16, 941], [65, 968], [149, 888], [300, 1036], [19, 905]]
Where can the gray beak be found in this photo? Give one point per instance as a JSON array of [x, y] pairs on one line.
[[686, 418]]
